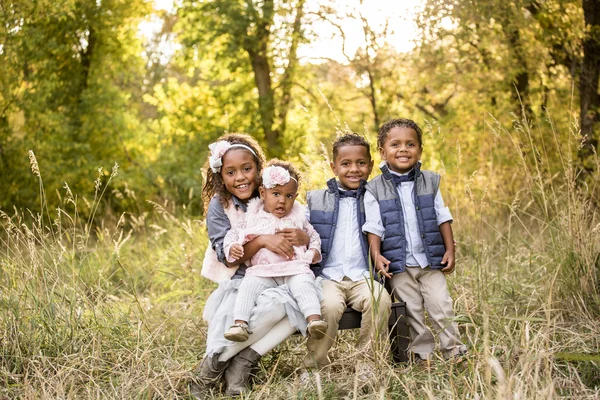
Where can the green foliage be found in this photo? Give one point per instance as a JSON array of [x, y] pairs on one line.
[[70, 71]]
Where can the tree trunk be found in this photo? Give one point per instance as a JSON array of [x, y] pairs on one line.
[[588, 84], [266, 100], [288, 76]]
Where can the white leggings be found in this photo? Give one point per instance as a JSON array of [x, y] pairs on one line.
[[267, 332]]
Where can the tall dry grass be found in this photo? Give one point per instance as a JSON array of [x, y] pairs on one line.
[[113, 309]]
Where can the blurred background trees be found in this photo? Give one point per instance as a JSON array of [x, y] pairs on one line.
[[85, 84]]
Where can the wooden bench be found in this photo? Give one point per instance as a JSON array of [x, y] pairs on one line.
[[397, 325]]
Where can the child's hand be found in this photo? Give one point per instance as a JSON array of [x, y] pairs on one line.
[[278, 244], [316, 257], [236, 251], [448, 260], [296, 237], [382, 265]]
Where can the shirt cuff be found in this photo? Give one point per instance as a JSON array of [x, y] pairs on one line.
[[320, 256], [373, 228], [443, 215]]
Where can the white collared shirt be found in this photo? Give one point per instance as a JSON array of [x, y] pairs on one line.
[[415, 252], [346, 257]]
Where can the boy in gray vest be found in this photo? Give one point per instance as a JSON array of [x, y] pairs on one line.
[[410, 237], [337, 213]]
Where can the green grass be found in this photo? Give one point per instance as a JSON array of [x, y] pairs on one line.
[[113, 309]]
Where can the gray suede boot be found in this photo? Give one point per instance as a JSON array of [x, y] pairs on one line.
[[206, 376], [238, 372]]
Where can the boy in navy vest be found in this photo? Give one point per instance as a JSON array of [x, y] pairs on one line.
[[411, 239], [337, 213]]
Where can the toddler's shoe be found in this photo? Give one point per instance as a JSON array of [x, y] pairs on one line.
[[237, 333], [317, 328]]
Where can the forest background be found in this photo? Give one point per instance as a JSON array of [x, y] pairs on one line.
[[107, 108]]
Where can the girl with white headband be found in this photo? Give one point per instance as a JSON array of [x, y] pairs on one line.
[[276, 209], [232, 179]]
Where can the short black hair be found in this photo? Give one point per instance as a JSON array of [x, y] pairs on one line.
[[398, 123], [350, 139]]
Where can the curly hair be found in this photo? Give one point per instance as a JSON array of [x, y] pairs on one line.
[[350, 139], [291, 168], [398, 123], [214, 185]]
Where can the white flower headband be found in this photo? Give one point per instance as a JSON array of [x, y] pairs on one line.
[[275, 175], [218, 149]]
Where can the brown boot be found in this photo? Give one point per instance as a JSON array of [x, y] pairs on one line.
[[239, 371], [206, 376]]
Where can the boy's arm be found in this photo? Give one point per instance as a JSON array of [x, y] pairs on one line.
[[382, 264], [444, 220], [374, 229], [448, 259]]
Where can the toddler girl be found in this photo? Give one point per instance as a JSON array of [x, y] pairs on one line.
[[276, 209]]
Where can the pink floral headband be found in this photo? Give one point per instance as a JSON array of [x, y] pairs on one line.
[[275, 175], [218, 149]]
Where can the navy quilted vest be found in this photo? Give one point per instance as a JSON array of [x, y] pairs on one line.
[[324, 207], [393, 247]]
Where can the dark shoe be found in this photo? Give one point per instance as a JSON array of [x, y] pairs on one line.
[[238, 372], [206, 376]]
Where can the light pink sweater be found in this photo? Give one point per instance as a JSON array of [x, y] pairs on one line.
[[265, 263]]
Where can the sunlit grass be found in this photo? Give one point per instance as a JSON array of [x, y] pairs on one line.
[[113, 309]]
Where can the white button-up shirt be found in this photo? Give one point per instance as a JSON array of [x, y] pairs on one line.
[[415, 252], [346, 257]]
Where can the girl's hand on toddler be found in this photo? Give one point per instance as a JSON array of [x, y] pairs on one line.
[[448, 261], [278, 244], [316, 257], [236, 251], [296, 237], [382, 265]]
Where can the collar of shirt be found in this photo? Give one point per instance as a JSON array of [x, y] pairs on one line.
[[347, 193], [238, 203], [401, 178]]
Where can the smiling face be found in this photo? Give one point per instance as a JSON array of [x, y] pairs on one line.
[[240, 173], [401, 149], [280, 199], [352, 163]]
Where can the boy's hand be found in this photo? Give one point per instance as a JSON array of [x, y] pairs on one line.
[[382, 265], [296, 237], [277, 244], [448, 260], [236, 251]]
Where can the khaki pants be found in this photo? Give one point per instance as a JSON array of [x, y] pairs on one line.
[[369, 298], [425, 289]]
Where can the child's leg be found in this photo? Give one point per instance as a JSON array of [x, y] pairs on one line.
[[439, 308], [332, 306], [248, 292], [406, 286], [276, 335], [374, 302], [302, 287], [260, 327]]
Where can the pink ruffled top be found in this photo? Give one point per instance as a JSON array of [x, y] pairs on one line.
[[265, 263]]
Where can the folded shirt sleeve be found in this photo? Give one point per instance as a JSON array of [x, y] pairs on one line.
[[373, 222], [442, 212]]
